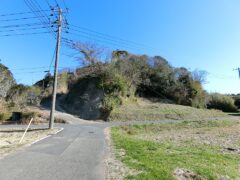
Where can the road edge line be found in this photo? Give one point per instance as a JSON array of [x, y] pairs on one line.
[[34, 142]]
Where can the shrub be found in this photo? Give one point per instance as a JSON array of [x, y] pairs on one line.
[[237, 101], [114, 86], [24, 95], [198, 99], [5, 116], [221, 102], [27, 116]]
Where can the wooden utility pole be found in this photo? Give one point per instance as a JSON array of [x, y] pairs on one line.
[[237, 69], [59, 23]]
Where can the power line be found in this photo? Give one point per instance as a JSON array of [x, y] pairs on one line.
[[38, 68], [36, 25], [20, 69], [53, 57], [101, 37], [65, 4], [22, 34], [20, 13], [30, 72], [20, 25], [45, 15], [17, 19], [56, 3], [38, 13], [23, 29], [37, 5], [114, 37], [105, 41]]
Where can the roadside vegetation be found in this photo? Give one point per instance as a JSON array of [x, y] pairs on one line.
[[222, 102], [194, 150], [10, 113]]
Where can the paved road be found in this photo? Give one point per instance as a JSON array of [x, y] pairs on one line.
[[76, 153]]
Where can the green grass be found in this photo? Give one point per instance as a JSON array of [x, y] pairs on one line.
[[155, 128], [159, 160]]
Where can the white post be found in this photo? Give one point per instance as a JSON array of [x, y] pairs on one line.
[[25, 131]]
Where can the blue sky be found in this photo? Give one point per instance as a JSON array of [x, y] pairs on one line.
[[200, 34]]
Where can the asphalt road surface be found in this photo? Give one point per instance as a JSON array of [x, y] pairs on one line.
[[75, 153]]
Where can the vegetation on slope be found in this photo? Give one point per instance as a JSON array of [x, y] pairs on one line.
[[143, 109], [128, 76], [6, 80], [98, 90], [222, 102]]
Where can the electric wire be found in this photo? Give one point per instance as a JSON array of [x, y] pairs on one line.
[[65, 4], [112, 37], [29, 68], [98, 37], [23, 29], [22, 34], [37, 5], [43, 14], [56, 3], [21, 13], [20, 25], [17, 19], [31, 72], [53, 57], [32, 6], [38, 13]]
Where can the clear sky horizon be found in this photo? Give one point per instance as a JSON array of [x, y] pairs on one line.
[[201, 34]]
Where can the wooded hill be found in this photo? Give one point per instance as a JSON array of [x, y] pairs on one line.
[[97, 88]]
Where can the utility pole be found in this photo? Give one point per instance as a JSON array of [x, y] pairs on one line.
[[59, 23], [237, 69]]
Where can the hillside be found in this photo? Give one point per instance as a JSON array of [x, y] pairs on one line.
[[144, 109], [6, 80], [122, 88]]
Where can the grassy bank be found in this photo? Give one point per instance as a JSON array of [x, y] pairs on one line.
[[198, 150], [147, 110]]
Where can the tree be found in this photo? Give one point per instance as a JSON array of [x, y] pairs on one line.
[[183, 92], [89, 53], [200, 76]]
